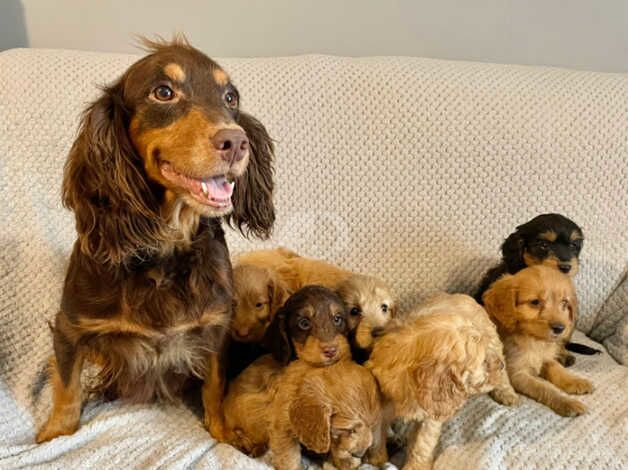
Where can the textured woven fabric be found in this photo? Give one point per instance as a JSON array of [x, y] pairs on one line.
[[612, 325], [414, 170]]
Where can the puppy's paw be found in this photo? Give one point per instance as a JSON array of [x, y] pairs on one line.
[[507, 397], [216, 428], [569, 408], [578, 386]]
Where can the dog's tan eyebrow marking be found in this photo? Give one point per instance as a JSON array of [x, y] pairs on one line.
[[575, 236], [220, 76], [550, 236], [174, 72]]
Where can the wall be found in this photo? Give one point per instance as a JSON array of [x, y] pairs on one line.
[[582, 34]]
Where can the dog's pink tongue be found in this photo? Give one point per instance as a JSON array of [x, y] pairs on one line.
[[219, 188]]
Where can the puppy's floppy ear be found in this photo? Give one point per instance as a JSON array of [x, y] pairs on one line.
[[310, 418], [512, 252], [276, 338], [500, 301], [253, 209], [440, 390], [105, 185], [277, 294]]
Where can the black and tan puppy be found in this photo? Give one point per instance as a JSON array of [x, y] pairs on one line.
[[550, 240]]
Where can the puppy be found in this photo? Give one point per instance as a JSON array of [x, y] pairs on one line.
[[446, 351], [259, 293], [534, 311], [548, 239], [311, 326], [162, 157], [333, 410], [371, 307]]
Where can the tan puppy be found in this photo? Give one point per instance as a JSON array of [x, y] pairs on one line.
[[446, 351], [371, 308], [247, 403], [334, 409], [534, 310], [259, 293]]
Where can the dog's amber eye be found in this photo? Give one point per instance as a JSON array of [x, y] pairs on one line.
[[384, 308], [163, 93], [355, 311], [535, 302], [339, 320], [231, 99], [259, 305], [304, 324]]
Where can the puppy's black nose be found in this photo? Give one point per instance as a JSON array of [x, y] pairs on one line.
[[330, 351], [557, 328], [564, 267], [232, 144]]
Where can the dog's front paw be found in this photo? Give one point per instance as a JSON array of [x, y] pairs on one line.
[[50, 431], [579, 386], [507, 397], [569, 408], [216, 427]]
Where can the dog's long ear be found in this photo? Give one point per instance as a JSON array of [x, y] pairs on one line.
[[310, 418], [512, 252], [439, 389], [277, 294], [276, 338], [253, 209], [105, 185], [500, 302]]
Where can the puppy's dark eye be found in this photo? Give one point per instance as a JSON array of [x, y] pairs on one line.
[[535, 302], [565, 304], [339, 320], [304, 324], [231, 99], [355, 311], [163, 93], [384, 308], [259, 305], [543, 246]]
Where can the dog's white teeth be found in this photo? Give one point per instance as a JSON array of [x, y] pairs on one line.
[[232, 184], [204, 188]]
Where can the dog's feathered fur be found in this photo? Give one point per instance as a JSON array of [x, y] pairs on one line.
[[428, 366], [148, 291], [529, 309]]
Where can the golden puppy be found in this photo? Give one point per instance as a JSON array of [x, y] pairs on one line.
[[427, 368], [371, 307], [334, 409], [534, 311], [247, 403], [259, 293]]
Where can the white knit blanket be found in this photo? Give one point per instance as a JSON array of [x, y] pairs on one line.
[[414, 170]]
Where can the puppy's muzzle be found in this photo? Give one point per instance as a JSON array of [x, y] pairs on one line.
[[231, 144], [330, 351]]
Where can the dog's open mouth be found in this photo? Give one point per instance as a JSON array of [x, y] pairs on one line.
[[214, 191]]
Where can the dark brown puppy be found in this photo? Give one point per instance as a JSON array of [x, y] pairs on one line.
[[148, 293], [312, 325]]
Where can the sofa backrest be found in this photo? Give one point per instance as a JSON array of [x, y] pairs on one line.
[[414, 170]]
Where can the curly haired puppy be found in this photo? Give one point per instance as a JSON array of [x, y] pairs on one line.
[[161, 159], [332, 410], [534, 311], [548, 239], [371, 307], [446, 351]]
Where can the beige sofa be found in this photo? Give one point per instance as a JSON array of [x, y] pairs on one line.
[[414, 170]]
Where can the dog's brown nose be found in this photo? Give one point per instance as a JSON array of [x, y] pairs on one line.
[[564, 267], [330, 351], [243, 332], [232, 144], [557, 328]]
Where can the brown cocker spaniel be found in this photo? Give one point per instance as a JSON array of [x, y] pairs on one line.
[[162, 158]]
